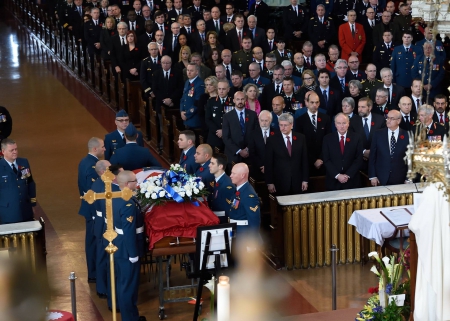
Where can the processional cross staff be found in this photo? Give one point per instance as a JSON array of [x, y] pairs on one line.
[[110, 234]]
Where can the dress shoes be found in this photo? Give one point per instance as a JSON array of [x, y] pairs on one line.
[[117, 309], [102, 295], [142, 318], [92, 280]]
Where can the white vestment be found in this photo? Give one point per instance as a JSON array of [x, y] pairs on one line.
[[430, 223]]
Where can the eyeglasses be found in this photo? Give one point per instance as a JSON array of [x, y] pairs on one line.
[[123, 120], [353, 62]]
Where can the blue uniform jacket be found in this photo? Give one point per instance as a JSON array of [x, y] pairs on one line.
[[17, 192], [189, 102], [188, 161], [127, 217], [114, 141], [86, 176], [437, 74], [248, 208], [132, 156], [100, 207], [401, 64], [205, 174], [439, 50], [261, 83], [223, 193]]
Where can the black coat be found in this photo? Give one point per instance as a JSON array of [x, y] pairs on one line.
[[91, 36], [232, 40], [106, 42], [348, 163], [286, 172], [172, 89], [356, 126], [334, 102], [261, 12], [214, 113], [257, 149]]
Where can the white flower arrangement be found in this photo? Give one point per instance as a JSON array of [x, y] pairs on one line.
[[173, 185]]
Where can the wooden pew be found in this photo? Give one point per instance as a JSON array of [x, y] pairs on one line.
[[70, 51], [154, 127], [176, 133], [113, 83], [144, 107], [133, 100], [98, 75], [121, 94], [168, 132], [106, 79]]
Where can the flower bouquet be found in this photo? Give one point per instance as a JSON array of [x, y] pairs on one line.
[[172, 185], [386, 302]]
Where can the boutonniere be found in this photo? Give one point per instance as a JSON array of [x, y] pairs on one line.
[[201, 169], [412, 122], [259, 82], [331, 92], [401, 136], [184, 157], [238, 193], [246, 118], [272, 133], [446, 119], [372, 124], [294, 137], [319, 119], [300, 10], [430, 131], [348, 139]]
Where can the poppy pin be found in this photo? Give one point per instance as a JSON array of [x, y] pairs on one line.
[[184, 157], [272, 133], [347, 140], [411, 122], [325, 23], [386, 111], [256, 35], [294, 138], [372, 124], [201, 169], [217, 184], [246, 118], [446, 119], [402, 137], [346, 84], [392, 48], [136, 49], [430, 131], [112, 33], [393, 95], [331, 92], [293, 100], [319, 119], [300, 11], [192, 84], [171, 75], [137, 27], [259, 83], [245, 34], [237, 193]]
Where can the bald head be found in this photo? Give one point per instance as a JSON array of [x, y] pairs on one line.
[[405, 105], [203, 153], [123, 178], [239, 174], [101, 167]]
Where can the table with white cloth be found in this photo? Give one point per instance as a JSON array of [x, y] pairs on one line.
[[372, 225]]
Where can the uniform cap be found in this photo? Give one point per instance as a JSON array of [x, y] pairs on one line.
[[130, 130], [121, 113]]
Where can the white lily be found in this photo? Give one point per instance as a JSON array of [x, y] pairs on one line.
[[210, 285], [374, 270], [374, 254]]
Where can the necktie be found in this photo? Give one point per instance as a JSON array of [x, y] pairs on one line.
[[95, 22], [418, 104], [341, 143], [355, 76], [428, 60], [203, 38], [160, 49], [151, 6], [372, 24], [260, 65], [154, 61], [161, 28], [265, 136], [217, 26], [270, 45], [342, 85], [325, 97], [178, 12], [353, 31], [14, 168], [228, 73], [167, 75], [406, 49], [105, 13], [321, 20], [241, 121], [79, 11], [240, 38], [189, 30], [393, 142], [282, 54], [407, 119], [278, 89], [223, 100], [123, 41], [389, 95], [123, 138], [295, 9], [441, 120], [366, 128], [132, 25], [289, 145], [149, 36], [387, 46], [307, 62], [174, 42], [313, 121]]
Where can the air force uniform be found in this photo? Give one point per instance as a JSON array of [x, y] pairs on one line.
[[187, 161], [401, 62], [222, 195], [192, 92], [245, 210], [206, 176]]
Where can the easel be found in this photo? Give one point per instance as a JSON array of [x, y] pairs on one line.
[[206, 273]]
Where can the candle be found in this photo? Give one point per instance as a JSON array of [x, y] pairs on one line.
[[223, 299]]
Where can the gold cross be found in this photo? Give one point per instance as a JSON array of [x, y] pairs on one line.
[[110, 234]]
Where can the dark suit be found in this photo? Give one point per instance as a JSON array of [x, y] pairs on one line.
[[86, 176], [437, 119], [206, 176], [222, 195], [268, 94], [379, 30], [266, 46], [173, 88], [259, 37], [214, 113], [348, 163], [173, 15], [389, 169], [187, 161], [92, 35], [196, 43], [232, 40], [139, 26], [262, 12], [148, 68], [397, 93], [145, 39], [335, 83], [314, 138], [257, 150], [334, 102], [247, 209], [232, 135], [356, 126], [294, 21], [18, 192], [318, 31], [209, 25], [286, 172], [132, 156], [116, 51], [408, 125]]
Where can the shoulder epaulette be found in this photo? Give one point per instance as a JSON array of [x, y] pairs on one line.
[[146, 58], [312, 18], [330, 18], [236, 51], [189, 7], [362, 82]]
